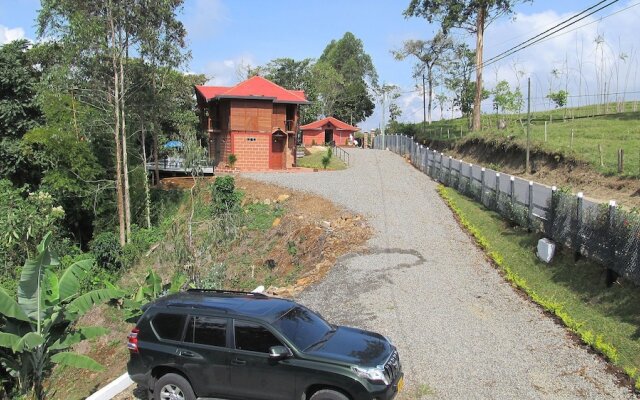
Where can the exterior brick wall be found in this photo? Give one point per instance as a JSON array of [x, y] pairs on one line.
[[252, 155], [339, 136]]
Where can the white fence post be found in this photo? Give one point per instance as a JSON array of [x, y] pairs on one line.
[[497, 189], [482, 171], [512, 189], [579, 204], [530, 205]]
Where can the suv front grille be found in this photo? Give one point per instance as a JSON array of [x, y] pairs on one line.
[[392, 367]]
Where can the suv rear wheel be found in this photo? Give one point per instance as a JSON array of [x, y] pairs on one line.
[[326, 394], [173, 387]]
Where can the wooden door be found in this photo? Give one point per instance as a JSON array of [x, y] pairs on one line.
[[276, 158], [328, 136]]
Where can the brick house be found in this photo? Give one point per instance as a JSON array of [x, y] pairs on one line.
[[256, 120], [327, 130]]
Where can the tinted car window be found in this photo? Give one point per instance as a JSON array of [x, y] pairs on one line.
[[207, 330], [253, 337], [303, 327], [168, 326]]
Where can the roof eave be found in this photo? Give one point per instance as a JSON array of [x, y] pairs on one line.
[[232, 97], [292, 102]]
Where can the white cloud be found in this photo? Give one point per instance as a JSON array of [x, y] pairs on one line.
[[229, 71], [10, 34]]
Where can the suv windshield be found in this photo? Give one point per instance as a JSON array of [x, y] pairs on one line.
[[303, 327]]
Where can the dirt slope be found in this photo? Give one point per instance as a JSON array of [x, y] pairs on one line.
[[319, 231], [548, 168]]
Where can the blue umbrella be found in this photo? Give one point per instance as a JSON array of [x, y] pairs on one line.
[[173, 144]]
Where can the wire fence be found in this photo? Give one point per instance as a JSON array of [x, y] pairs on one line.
[[602, 232]]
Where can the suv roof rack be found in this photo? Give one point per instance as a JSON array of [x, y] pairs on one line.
[[256, 294]]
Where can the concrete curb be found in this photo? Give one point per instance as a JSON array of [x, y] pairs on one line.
[[113, 388]]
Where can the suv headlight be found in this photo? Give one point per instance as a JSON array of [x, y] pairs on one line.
[[375, 375]]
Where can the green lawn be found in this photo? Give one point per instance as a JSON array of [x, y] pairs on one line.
[[315, 161], [608, 319], [611, 131]]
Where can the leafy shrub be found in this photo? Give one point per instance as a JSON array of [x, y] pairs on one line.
[[225, 199], [165, 205], [107, 251], [25, 217], [231, 159], [141, 240]]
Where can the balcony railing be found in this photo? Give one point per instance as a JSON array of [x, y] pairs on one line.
[[177, 164]]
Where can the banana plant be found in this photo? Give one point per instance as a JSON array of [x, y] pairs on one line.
[[151, 289], [38, 329]]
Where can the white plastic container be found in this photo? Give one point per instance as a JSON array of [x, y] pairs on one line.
[[546, 250]]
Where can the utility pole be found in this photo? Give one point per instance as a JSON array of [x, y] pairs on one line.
[[424, 106], [527, 167], [382, 125]]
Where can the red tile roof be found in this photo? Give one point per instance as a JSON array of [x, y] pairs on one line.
[[335, 122], [256, 87]]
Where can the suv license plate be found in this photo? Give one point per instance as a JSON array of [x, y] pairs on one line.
[[400, 383]]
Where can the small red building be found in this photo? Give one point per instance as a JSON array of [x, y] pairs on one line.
[[327, 130], [256, 120]]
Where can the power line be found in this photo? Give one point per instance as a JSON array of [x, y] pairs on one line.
[[550, 29], [550, 36], [592, 22], [526, 44]]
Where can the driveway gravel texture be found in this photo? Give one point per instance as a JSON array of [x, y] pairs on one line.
[[462, 331]]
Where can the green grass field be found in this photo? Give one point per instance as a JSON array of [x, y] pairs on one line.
[[592, 130], [315, 161], [608, 319]]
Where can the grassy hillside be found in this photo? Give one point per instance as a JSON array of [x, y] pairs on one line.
[[592, 128]]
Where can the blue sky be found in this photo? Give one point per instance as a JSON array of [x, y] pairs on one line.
[[226, 33]]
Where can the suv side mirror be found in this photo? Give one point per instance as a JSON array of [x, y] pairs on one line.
[[279, 353]]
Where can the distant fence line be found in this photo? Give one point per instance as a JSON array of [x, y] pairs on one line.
[[599, 231]]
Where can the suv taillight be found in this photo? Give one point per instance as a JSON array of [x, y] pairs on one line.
[[132, 345]]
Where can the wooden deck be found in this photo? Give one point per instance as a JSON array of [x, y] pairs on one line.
[[176, 165]]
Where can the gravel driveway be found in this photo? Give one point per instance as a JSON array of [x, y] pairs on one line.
[[462, 331]]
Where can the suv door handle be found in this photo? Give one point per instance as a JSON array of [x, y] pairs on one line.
[[186, 353], [237, 361]]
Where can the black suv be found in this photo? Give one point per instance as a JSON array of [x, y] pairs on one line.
[[237, 345]]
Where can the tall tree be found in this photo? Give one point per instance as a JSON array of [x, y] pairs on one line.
[[349, 60], [19, 108], [431, 54], [98, 37], [162, 49], [330, 84], [387, 95], [458, 78], [471, 15], [296, 75]]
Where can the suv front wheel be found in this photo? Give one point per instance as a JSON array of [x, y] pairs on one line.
[[173, 387], [326, 394]]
